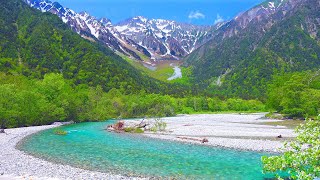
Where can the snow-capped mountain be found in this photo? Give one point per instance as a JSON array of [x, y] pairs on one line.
[[164, 38], [90, 27], [137, 37]]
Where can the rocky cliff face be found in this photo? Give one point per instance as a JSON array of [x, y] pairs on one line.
[[164, 38]]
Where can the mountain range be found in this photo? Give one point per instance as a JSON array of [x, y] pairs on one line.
[[137, 37]]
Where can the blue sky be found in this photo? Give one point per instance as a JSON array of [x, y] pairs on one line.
[[202, 12]]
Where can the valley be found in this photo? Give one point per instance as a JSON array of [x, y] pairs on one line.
[[160, 94]]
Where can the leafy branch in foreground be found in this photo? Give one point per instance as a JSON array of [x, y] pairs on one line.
[[302, 156]]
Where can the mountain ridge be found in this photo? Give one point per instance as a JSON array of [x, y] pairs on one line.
[[282, 38], [167, 47], [164, 37]]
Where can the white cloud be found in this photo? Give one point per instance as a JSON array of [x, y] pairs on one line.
[[196, 15], [218, 19]]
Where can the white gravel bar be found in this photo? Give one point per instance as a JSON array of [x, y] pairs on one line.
[[17, 165], [238, 131]]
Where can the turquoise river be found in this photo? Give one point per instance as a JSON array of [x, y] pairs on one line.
[[89, 146]]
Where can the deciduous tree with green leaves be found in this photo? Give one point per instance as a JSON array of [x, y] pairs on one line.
[[301, 158]]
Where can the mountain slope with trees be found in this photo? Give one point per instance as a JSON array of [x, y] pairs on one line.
[[271, 38]]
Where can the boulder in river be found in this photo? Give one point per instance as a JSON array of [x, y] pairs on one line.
[[128, 126]]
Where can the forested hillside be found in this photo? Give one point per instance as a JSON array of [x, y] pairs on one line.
[[241, 59], [34, 43]]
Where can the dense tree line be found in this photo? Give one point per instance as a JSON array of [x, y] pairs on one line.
[[295, 94], [28, 102]]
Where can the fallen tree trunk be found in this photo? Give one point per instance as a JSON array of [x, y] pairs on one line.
[[204, 140]]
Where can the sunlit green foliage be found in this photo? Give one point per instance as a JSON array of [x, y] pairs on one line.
[[302, 156], [133, 130], [159, 125], [295, 94], [28, 102]]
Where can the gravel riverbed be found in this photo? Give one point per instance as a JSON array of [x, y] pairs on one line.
[[238, 131]]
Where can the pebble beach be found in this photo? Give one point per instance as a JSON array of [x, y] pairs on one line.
[[237, 131]]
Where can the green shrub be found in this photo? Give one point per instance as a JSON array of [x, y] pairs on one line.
[[60, 132], [294, 113], [129, 129], [187, 110], [138, 131], [133, 130], [272, 115], [301, 156], [159, 125]]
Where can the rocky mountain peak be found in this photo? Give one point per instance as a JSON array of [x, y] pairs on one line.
[[106, 22], [164, 38]]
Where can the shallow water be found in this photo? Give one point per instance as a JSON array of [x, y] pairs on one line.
[[177, 73], [89, 146]]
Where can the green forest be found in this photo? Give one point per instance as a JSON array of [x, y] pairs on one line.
[[29, 102]]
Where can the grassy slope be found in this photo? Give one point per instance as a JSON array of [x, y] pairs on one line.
[[163, 71]]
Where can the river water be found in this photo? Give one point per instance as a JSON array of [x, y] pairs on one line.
[[89, 146], [177, 74]]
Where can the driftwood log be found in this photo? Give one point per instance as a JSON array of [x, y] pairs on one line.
[[204, 140]]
